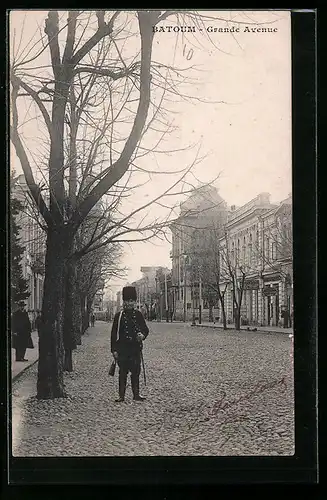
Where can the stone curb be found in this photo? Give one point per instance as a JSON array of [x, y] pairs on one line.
[[219, 327], [243, 329], [18, 375]]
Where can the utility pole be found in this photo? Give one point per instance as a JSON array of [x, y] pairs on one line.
[[157, 300], [200, 300], [193, 303], [184, 289], [166, 298]]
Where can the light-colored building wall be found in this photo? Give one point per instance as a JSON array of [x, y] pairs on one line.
[[258, 237], [33, 239], [203, 208], [256, 242]]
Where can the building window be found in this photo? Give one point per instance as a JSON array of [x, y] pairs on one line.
[[267, 248], [30, 304], [250, 256], [274, 250], [238, 252], [233, 254], [244, 252]]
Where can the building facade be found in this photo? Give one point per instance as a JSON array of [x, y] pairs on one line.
[[98, 304], [33, 239], [256, 240], [258, 243], [150, 290], [119, 301], [203, 209]]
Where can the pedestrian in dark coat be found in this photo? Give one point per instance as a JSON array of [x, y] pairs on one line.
[[38, 321], [285, 317], [126, 344], [92, 319], [21, 329]]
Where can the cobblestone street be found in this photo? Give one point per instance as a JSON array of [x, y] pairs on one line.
[[209, 392]]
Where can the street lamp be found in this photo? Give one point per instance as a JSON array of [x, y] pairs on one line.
[[193, 305], [184, 261], [157, 299], [174, 288]]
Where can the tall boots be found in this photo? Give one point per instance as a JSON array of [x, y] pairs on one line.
[[136, 387]]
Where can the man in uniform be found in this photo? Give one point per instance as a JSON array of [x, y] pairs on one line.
[[126, 344], [21, 328]]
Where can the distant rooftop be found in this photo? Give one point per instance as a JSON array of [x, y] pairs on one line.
[[260, 201], [202, 198]]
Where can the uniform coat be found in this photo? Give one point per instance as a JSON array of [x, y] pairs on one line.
[[128, 347], [21, 328]]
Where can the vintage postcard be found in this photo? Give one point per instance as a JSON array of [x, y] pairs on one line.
[[151, 212]]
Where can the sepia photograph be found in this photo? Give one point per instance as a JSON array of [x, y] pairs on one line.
[[151, 233]]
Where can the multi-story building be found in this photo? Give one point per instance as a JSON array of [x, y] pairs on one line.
[[148, 288], [258, 245], [33, 239], [165, 305], [256, 239], [203, 209], [97, 305]]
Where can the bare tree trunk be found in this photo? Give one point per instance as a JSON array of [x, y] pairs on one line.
[[221, 298], [69, 323], [238, 319], [50, 383], [239, 304], [237, 312], [210, 313], [83, 313], [88, 310], [222, 304], [77, 317]]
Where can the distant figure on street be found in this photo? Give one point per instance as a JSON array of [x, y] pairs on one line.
[[126, 343], [285, 316], [92, 319], [38, 321], [21, 329], [171, 315], [144, 311], [152, 313]]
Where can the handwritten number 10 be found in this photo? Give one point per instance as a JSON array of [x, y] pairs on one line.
[[189, 54]]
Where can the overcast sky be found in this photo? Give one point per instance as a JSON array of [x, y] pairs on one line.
[[246, 133]]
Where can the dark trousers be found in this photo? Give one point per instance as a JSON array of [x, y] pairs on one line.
[[20, 353], [129, 362]]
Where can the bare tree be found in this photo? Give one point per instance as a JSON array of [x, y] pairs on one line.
[[235, 272], [206, 265], [62, 226], [77, 59], [274, 248], [88, 69], [94, 269]]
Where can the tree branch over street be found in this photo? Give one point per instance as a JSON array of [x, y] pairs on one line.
[[97, 102]]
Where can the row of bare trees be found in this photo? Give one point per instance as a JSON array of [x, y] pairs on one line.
[[94, 93], [215, 262], [89, 95], [85, 275]]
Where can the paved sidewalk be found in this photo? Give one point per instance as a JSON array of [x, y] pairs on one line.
[[18, 367]]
